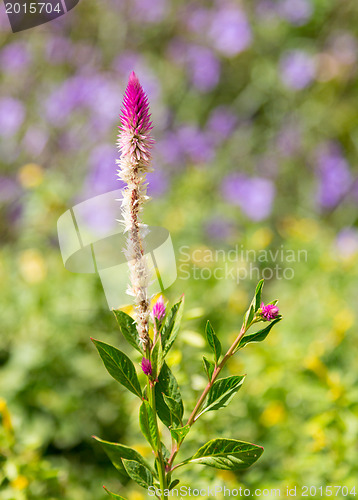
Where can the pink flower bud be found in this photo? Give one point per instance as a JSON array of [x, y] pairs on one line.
[[159, 309], [269, 312], [146, 366]]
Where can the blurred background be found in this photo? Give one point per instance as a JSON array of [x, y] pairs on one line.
[[255, 111]]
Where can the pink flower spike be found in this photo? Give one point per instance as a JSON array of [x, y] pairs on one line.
[[146, 366], [159, 309], [269, 312]]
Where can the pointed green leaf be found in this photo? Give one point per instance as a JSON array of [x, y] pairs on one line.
[[174, 483], [257, 336], [176, 409], [213, 341], [119, 366], [114, 495], [171, 326], [256, 302], [148, 424], [165, 453], [167, 385], [139, 473], [179, 433], [227, 454], [157, 358], [117, 452], [128, 329], [209, 367], [249, 316], [222, 392]]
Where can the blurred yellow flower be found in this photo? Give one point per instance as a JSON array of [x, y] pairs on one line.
[[343, 320], [261, 238], [135, 495], [20, 483], [174, 357], [30, 175], [32, 266], [314, 429], [5, 414], [274, 414], [227, 476]]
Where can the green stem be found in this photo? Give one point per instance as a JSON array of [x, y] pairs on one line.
[[216, 372], [158, 451]]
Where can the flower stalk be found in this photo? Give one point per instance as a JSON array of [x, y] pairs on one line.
[[135, 143]]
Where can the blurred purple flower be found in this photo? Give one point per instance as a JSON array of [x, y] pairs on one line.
[[253, 195], [169, 150], [149, 12], [14, 57], [297, 12], [297, 69], [334, 176], [344, 48], [218, 228], [230, 32], [195, 144], [58, 49], [9, 189], [203, 67], [12, 115], [266, 10], [102, 166], [289, 139], [157, 182], [347, 242], [34, 140], [197, 19], [221, 123]]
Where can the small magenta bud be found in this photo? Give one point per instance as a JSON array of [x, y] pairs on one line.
[[269, 312], [159, 309], [146, 366]]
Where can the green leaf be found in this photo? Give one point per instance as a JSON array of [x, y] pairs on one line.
[[209, 367], [157, 358], [257, 336], [213, 341], [128, 329], [256, 302], [139, 473], [167, 385], [148, 424], [226, 454], [117, 452], [254, 306], [179, 433], [165, 453], [171, 326], [114, 495], [249, 316], [222, 392], [174, 483], [176, 409], [119, 366]]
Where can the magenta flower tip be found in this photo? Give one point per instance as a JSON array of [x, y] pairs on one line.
[[269, 312], [146, 366], [159, 309]]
